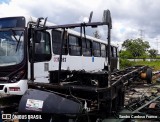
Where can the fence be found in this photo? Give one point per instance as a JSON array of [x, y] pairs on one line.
[[147, 59]]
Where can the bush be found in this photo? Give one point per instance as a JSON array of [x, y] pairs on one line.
[[125, 54], [124, 63]]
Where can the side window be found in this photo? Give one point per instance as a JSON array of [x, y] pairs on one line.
[[103, 50], [56, 41], [86, 47], [74, 45], [42, 46], [96, 49]]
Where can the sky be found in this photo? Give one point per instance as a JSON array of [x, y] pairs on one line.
[[131, 19]]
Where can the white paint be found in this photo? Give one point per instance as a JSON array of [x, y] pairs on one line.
[[72, 63]]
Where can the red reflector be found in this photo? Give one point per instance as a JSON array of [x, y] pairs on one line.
[[14, 88]]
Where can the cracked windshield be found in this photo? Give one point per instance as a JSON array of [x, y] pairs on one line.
[[11, 47]]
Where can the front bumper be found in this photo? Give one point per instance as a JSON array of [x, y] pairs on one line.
[[17, 88]]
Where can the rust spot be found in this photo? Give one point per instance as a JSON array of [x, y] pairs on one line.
[[152, 105]]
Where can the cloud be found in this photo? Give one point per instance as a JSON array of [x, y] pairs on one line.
[[11, 9], [128, 16]]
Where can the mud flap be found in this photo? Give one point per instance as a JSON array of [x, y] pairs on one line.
[[37, 101]]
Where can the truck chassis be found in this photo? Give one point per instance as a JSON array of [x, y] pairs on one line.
[[82, 95]]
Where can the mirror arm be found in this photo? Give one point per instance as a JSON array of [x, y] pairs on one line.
[[45, 22], [60, 56], [38, 21], [32, 56], [84, 31], [81, 32], [90, 17]]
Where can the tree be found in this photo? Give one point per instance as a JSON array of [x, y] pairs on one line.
[[96, 34], [137, 47], [153, 53], [125, 54]]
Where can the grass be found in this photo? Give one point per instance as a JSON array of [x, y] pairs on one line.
[[153, 64]]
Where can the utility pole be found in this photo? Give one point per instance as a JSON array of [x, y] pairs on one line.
[[157, 45], [141, 33]]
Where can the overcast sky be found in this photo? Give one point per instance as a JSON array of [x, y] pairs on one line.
[[131, 18]]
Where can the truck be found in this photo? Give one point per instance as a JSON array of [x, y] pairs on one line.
[[64, 75]]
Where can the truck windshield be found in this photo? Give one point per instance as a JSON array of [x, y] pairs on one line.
[[11, 47]]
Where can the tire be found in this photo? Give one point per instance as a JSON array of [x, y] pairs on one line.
[[149, 76]]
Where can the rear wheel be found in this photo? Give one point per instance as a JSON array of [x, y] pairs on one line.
[[149, 76]]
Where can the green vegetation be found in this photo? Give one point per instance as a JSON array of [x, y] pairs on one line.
[[135, 48], [96, 34], [153, 53], [138, 49], [124, 63], [153, 64]]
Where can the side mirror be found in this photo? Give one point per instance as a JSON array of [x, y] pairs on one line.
[[107, 18]]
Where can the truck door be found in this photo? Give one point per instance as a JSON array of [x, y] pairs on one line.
[[41, 56]]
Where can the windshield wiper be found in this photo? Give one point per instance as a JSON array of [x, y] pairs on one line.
[[18, 40]]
